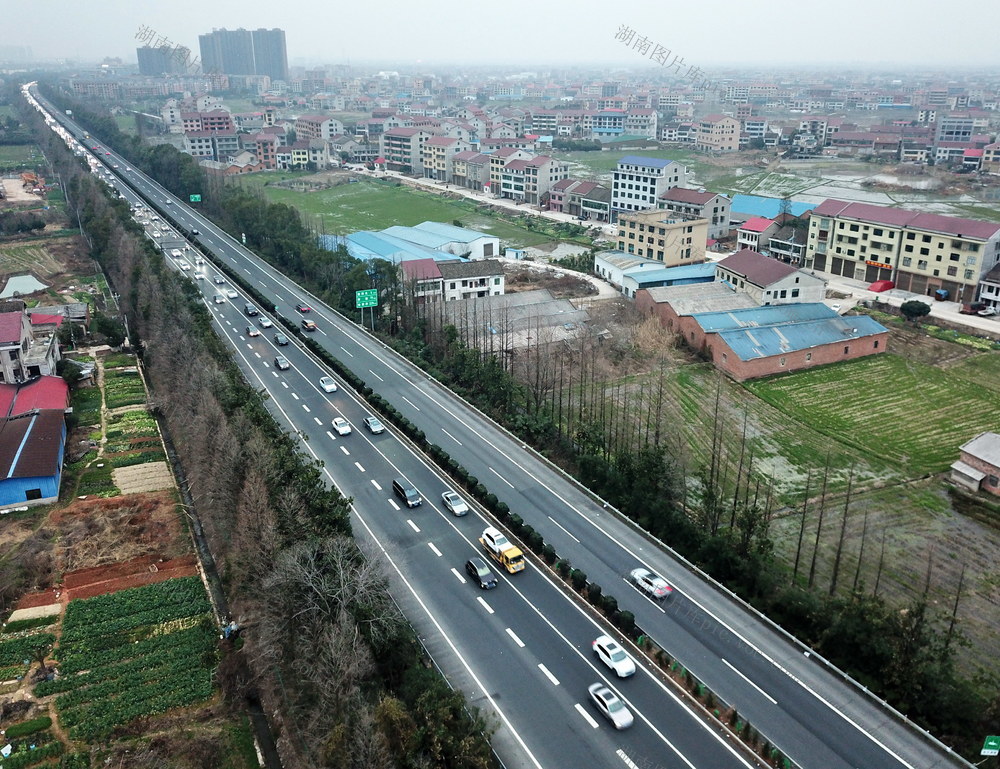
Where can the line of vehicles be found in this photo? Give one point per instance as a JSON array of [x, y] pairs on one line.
[[496, 546]]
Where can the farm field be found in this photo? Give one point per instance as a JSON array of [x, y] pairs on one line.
[[17, 156], [911, 415], [370, 205], [130, 654]]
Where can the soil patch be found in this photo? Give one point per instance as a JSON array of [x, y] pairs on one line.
[[139, 571]]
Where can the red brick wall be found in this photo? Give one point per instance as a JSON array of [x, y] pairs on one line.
[[983, 467], [797, 360]]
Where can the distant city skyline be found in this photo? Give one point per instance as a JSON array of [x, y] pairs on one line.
[[857, 33]]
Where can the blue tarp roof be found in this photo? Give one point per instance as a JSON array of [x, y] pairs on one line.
[[754, 205], [378, 245], [667, 276], [767, 341], [769, 315]]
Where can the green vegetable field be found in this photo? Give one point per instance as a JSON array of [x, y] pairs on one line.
[[132, 653]]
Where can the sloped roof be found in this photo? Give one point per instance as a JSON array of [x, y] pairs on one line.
[[693, 298], [757, 268], [30, 444], [421, 269], [756, 224], [684, 195], [482, 268], [946, 225], [771, 314], [10, 327], [782, 338], [45, 392]]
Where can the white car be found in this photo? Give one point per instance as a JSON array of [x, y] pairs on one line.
[[218, 299], [231, 293], [157, 235], [651, 584], [184, 265], [253, 331], [199, 275], [611, 707], [610, 652], [454, 503], [265, 323], [219, 280], [342, 426], [327, 384]]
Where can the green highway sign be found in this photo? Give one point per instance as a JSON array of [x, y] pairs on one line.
[[368, 298], [991, 747], [194, 198]]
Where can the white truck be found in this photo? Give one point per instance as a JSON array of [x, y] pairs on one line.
[[499, 548]]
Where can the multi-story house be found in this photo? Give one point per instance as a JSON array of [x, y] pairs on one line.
[[471, 169], [768, 281], [755, 232], [25, 353], [673, 239], [402, 149], [716, 208], [437, 156], [466, 280], [640, 181], [317, 127], [199, 144], [498, 161], [641, 122], [920, 252], [991, 158], [718, 133]]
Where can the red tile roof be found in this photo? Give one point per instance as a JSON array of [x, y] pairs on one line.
[[440, 141], [10, 328], [947, 225], [38, 319], [684, 195], [46, 392], [420, 269], [757, 224]]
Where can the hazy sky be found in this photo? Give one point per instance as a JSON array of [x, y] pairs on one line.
[[861, 33]]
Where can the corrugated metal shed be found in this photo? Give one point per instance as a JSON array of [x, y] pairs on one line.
[[768, 341]]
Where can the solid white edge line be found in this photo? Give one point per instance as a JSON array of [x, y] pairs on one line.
[[732, 667]]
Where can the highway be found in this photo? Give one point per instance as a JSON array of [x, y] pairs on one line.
[[522, 651]]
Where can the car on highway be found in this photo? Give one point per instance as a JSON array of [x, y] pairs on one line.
[[157, 235], [280, 339], [374, 425], [218, 299], [196, 232], [199, 275], [480, 573], [610, 706], [303, 307], [265, 323], [184, 265], [219, 280], [309, 325], [281, 362], [169, 202], [610, 652], [231, 293], [342, 426], [455, 504], [651, 584], [253, 331], [328, 384], [249, 310]]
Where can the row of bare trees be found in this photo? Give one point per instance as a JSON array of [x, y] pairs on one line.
[[325, 650]]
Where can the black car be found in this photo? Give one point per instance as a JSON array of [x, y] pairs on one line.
[[480, 573], [281, 339]]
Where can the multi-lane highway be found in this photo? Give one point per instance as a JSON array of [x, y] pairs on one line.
[[522, 651]]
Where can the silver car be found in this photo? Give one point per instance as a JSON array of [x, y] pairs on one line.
[[454, 503], [611, 707]]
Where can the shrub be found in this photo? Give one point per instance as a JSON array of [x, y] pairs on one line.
[[471, 481], [515, 522], [28, 727], [563, 568], [594, 594], [549, 553], [28, 624], [536, 542], [527, 531], [610, 605], [577, 577], [626, 621], [491, 502]]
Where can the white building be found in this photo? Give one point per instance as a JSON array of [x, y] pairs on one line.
[[639, 182]]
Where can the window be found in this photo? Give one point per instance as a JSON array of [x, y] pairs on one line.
[[952, 272], [781, 361], [876, 345], [908, 249], [924, 251], [809, 356], [847, 349], [32, 494], [994, 480], [795, 293], [922, 264], [968, 274], [911, 236], [854, 228], [926, 239]]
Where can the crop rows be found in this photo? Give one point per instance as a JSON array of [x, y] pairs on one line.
[[132, 653], [17, 650], [131, 424], [123, 388], [106, 615]]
